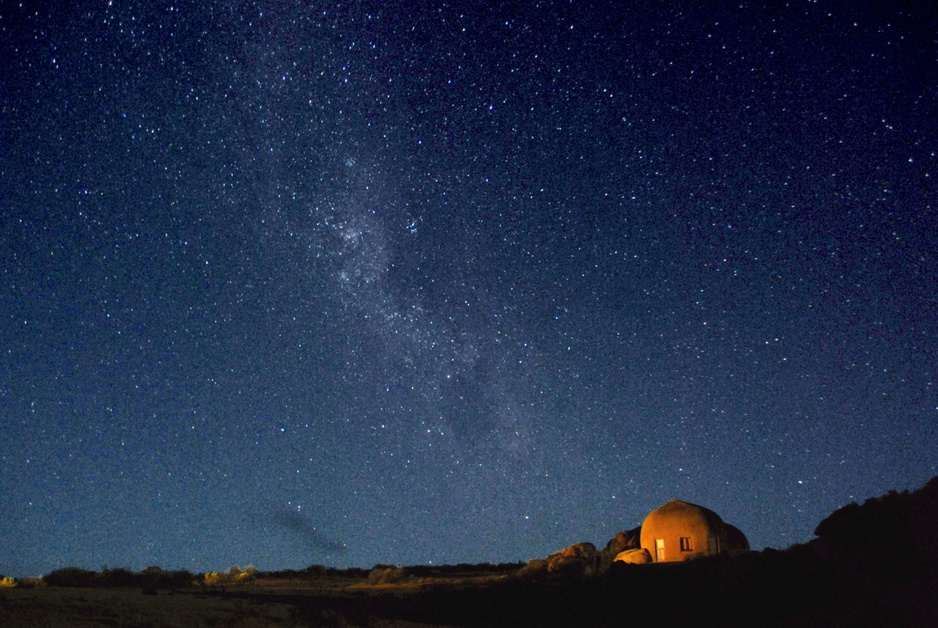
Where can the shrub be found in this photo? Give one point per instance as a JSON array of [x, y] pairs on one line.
[[71, 577], [117, 578], [7, 582], [156, 578]]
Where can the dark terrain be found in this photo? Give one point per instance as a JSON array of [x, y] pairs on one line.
[[874, 564]]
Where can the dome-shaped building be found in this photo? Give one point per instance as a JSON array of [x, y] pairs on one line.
[[736, 541], [680, 531]]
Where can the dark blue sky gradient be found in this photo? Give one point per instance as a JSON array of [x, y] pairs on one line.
[[285, 283]]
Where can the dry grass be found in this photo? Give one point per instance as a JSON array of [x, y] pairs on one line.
[[80, 608]]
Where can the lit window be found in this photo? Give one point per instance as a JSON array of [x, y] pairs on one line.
[[687, 545]]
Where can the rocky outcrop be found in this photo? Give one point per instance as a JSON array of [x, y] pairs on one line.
[[578, 560], [583, 560], [625, 540]]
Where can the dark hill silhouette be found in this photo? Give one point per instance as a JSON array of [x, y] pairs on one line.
[[898, 530]]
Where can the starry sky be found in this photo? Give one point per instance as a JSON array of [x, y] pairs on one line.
[[290, 283]]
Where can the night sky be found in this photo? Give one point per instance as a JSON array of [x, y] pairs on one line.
[[290, 283]]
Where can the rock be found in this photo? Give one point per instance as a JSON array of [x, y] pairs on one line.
[[633, 557], [578, 560], [586, 551], [534, 568], [570, 566], [629, 539]]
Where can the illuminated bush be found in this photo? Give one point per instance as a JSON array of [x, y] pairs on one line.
[[234, 575], [214, 579], [7, 582]]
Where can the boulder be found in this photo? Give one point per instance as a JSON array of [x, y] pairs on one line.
[[629, 539], [578, 560], [633, 557], [586, 551], [570, 566]]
